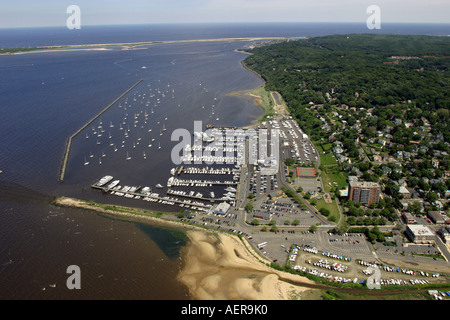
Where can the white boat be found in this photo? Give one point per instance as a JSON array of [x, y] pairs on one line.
[[159, 145], [128, 157], [112, 184], [85, 161], [104, 180], [159, 186], [145, 157], [170, 181]]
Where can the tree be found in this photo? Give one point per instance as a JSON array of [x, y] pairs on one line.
[[312, 228], [324, 211], [249, 207], [432, 196]]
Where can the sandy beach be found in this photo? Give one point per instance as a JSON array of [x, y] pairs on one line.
[[134, 45], [220, 267]]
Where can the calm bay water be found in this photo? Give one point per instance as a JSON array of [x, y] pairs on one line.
[[46, 97]]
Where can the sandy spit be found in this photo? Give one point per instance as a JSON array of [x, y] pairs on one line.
[[219, 266]]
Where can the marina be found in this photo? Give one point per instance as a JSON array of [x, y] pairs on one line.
[[146, 194], [69, 141]]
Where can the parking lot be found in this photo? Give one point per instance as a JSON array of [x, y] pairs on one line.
[[284, 212], [296, 143]]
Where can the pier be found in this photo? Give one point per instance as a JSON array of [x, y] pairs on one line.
[[153, 197], [199, 183], [69, 141]]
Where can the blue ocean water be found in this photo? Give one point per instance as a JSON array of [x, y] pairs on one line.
[[50, 36], [46, 97]]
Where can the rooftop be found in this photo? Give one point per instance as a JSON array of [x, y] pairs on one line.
[[364, 184], [419, 229]]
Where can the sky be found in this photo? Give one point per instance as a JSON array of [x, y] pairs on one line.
[[39, 13]]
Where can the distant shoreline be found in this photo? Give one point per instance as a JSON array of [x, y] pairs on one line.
[[125, 45]]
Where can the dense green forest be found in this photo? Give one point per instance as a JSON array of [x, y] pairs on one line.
[[392, 76]]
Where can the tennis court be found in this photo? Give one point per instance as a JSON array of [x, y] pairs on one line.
[[304, 172]]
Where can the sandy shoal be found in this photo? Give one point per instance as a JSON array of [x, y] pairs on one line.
[[219, 266]]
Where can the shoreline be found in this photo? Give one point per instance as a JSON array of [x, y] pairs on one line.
[[216, 265], [130, 45], [219, 266]]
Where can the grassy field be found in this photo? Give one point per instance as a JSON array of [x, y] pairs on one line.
[[328, 157], [332, 207], [333, 174], [266, 100]]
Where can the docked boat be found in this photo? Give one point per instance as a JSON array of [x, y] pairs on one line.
[[104, 180], [112, 185]]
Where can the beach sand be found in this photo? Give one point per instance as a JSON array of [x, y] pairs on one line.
[[219, 266]]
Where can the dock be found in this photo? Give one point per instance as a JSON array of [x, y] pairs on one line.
[[153, 197], [69, 141], [200, 183]]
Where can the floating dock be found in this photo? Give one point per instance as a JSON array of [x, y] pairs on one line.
[[153, 197]]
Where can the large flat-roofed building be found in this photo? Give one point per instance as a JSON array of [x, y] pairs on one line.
[[364, 192], [419, 233], [222, 208], [436, 217]]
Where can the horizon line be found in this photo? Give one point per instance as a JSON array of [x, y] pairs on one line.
[[223, 23]]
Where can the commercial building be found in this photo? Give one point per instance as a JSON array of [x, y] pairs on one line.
[[418, 233], [436, 217], [364, 192], [264, 215], [222, 208], [408, 217], [444, 232]]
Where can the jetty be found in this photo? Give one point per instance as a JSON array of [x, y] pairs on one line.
[[69, 141]]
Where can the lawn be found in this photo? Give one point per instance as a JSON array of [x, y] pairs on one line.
[[266, 100], [332, 207]]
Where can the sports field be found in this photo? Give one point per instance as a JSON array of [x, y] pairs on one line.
[[304, 172]]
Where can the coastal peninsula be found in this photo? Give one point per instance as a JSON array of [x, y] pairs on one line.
[[218, 265]]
